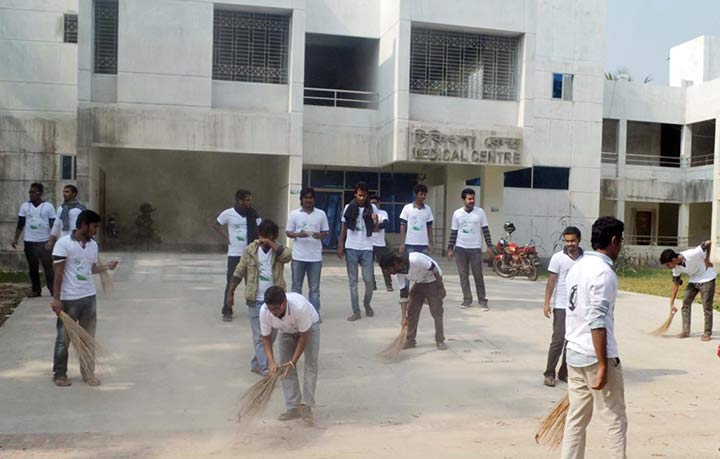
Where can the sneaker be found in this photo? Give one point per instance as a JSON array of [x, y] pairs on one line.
[[409, 344], [307, 415], [549, 381], [292, 413], [369, 311], [466, 305], [684, 335], [442, 346], [563, 378], [389, 288], [61, 381], [354, 317], [485, 307], [227, 318], [706, 337]]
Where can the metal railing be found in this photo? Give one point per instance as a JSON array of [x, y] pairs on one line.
[[652, 160], [341, 98], [608, 158], [642, 239], [701, 160]]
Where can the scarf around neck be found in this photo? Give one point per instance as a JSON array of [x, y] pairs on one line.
[[65, 214], [251, 215], [351, 215]]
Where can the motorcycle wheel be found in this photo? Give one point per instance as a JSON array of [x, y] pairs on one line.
[[531, 272], [497, 267]]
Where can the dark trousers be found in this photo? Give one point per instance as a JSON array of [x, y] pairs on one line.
[[84, 311], [37, 254], [378, 252], [707, 292], [557, 346], [420, 294], [232, 263], [470, 260]]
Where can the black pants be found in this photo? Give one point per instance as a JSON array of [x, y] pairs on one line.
[[557, 346], [232, 263], [36, 253], [420, 294], [378, 252]]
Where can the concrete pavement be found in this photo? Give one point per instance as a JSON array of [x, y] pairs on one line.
[[179, 370]]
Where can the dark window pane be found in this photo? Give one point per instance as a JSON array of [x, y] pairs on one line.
[[71, 28], [473, 182], [557, 85], [370, 179], [551, 178], [326, 179], [305, 173], [393, 211], [518, 179], [397, 188], [106, 36], [67, 167]]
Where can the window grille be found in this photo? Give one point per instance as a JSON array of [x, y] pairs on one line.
[[69, 167], [250, 47], [459, 64], [71, 28], [106, 36]]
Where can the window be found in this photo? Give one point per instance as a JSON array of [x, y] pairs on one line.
[[250, 47], [459, 64], [71, 28], [539, 177], [562, 86], [106, 36], [69, 167], [518, 179]]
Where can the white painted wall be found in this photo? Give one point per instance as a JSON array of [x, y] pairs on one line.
[[696, 61]]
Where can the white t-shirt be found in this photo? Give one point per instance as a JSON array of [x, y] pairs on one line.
[[57, 230], [560, 264], [420, 271], [695, 266], [417, 223], [265, 275], [378, 237], [77, 277], [237, 230], [37, 220], [469, 226], [591, 290], [358, 239], [299, 316], [307, 248]]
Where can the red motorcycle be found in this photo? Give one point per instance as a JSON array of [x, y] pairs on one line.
[[512, 260]]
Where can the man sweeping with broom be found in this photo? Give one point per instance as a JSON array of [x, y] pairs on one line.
[[595, 375], [75, 261]]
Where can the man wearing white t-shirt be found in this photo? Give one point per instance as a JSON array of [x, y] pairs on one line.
[[297, 320], [696, 264], [595, 375], [242, 228], [76, 260], [359, 220], [36, 217], [67, 214], [307, 227], [468, 228], [416, 221], [378, 238], [556, 295]]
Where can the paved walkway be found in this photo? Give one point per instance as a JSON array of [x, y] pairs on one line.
[[179, 371]]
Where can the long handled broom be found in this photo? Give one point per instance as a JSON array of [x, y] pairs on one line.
[[552, 428], [664, 327], [88, 350]]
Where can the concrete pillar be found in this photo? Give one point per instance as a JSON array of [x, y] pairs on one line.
[[715, 218], [683, 230], [685, 146], [622, 147], [620, 210]]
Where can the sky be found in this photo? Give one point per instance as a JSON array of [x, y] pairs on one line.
[[640, 33]]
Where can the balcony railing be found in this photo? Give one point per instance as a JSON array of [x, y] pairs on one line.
[[640, 239], [341, 98], [652, 160], [701, 160], [609, 158]]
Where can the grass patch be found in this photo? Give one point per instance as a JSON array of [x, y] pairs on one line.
[[656, 282], [15, 277]]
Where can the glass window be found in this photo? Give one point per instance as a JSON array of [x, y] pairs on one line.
[[397, 188], [393, 211], [326, 179], [370, 179], [71, 28], [68, 167], [473, 182], [305, 174], [106, 36], [551, 178], [557, 85], [518, 179]]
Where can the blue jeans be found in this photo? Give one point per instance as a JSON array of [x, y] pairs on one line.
[[259, 361], [313, 269], [84, 310], [364, 258], [410, 248]]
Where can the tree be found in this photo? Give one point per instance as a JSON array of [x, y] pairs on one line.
[[623, 74]]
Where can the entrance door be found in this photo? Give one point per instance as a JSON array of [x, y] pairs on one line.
[[643, 227], [332, 203]]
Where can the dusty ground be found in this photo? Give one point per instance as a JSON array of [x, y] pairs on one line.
[[179, 371]]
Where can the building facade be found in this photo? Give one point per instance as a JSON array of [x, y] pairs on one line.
[[180, 103]]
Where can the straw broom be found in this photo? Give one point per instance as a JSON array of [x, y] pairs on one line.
[[86, 347], [664, 327], [392, 352], [254, 401], [105, 281], [552, 428]]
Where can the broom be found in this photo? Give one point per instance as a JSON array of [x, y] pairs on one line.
[[552, 428], [86, 347], [392, 352], [664, 327], [105, 281], [254, 401]]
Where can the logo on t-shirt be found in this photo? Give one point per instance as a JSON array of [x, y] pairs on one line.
[[416, 226], [573, 298], [79, 274], [360, 226], [467, 226], [34, 224]]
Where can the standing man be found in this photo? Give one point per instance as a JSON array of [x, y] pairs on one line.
[[378, 240], [359, 220], [420, 278], [297, 321], [556, 294], [76, 260], [469, 226], [242, 228], [595, 377], [307, 226], [36, 217], [67, 215], [416, 221], [262, 265], [696, 264]]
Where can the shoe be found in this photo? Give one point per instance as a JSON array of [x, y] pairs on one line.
[[485, 307], [61, 381], [34, 295], [389, 288], [684, 335], [409, 345], [369, 311], [354, 317], [307, 415], [256, 370], [706, 337], [549, 381], [292, 413], [466, 305], [563, 378], [91, 381], [227, 318], [442, 346]]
